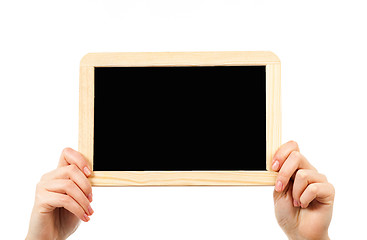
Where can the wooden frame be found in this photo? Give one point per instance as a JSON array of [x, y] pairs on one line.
[[180, 178]]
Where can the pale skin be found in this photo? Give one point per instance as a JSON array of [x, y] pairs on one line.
[[303, 198], [62, 199]]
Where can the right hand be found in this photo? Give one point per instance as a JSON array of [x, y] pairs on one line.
[[62, 199]]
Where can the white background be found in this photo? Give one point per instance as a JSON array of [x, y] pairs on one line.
[[322, 47]]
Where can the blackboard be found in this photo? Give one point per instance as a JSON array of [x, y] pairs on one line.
[[179, 118]]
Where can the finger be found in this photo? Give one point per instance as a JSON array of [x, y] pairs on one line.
[[302, 179], [58, 200], [322, 192], [70, 156], [282, 154], [294, 162], [71, 172], [68, 187]]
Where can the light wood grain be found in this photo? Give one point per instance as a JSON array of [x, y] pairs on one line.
[[273, 112], [179, 59], [182, 178], [86, 113], [149, 59]]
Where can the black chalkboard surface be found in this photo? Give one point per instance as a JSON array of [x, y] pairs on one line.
[[179, 118]]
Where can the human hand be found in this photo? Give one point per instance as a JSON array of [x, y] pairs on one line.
[[303, 198], [62, 199]]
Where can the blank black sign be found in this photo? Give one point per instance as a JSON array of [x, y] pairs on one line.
[[180, 118]]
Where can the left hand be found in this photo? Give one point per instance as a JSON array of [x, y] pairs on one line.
[[303, 198]]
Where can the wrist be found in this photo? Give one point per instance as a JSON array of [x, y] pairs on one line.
[[31, 236], [298, 237]]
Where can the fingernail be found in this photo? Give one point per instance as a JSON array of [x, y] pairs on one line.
[[295, 203], [278, 186], [90, 197], [86, 218], [275, 166], [90, 210], [87, 171]]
